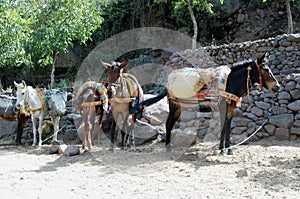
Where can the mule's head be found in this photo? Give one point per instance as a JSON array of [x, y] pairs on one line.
[[114, 71], [268, 80], [21, 94]]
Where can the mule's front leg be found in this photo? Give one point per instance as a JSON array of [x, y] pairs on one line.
[[112, 133]]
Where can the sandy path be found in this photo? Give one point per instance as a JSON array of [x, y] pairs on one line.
[[273, 171]]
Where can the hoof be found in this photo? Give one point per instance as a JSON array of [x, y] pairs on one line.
[[169, 148], [230, 152], [223, 152], [111, 150]]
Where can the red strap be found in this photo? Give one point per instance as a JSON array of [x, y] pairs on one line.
[[259, 73]]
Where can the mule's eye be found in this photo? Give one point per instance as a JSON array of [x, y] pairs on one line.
[[265, 68]]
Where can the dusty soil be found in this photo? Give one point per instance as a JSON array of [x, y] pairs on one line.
[[265, 169]]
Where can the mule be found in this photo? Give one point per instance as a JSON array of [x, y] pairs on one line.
[[92, 99], [32, 100], [242, 76], [127, 93]]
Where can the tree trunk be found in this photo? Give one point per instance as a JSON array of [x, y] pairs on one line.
[[52, 72], [289, 16], [195, 26]]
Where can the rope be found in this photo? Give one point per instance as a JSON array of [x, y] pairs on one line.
[[248, 138], [64, 126]]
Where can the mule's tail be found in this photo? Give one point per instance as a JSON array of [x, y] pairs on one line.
[[155, 99]]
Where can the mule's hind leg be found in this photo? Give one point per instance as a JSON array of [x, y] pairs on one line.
[[100, 125], [33, 119], [174, 113], [91, 129], [40, 129], [230, 111], [55, 121], [132, 131]]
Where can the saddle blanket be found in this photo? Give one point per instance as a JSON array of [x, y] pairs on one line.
[[196, 83]]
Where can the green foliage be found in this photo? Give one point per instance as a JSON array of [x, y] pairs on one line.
[[34, 31], [57, 24], [14, 32], [202, 9], [119, 15]]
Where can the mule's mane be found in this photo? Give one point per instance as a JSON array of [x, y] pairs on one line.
[[30, 88], [241, 64]]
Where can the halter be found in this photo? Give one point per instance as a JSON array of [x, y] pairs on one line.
[[259, 73], [24, 107], [249, 79]]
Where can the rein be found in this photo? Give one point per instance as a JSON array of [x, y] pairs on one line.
[[248, 138]]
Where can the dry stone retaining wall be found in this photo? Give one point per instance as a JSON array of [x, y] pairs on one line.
[[284, 61]]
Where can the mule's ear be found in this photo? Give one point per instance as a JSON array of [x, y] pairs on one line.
[[20, 85], [261, 59], [106, 65], [123, 64], [24, 83], [16, 84]]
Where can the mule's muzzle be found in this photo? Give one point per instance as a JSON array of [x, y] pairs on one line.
[[18, 106], [275, 88]]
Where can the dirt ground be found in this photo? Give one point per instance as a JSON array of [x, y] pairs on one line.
[[264, 169]]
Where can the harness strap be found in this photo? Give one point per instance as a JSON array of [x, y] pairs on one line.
[[230, 97], [123, 100], [92, 103]]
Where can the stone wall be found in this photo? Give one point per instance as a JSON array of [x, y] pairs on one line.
[[284, 61]]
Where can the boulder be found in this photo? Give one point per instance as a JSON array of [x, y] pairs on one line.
[[283, 95], [72, 150], [156, 113], [295, 131], [238, 138], [295, 94], [184, 138], [262, 105], [283, 120], [145, 132], [270, 128], [282, 133], [257, 111], [7, 128], [294, 106]]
